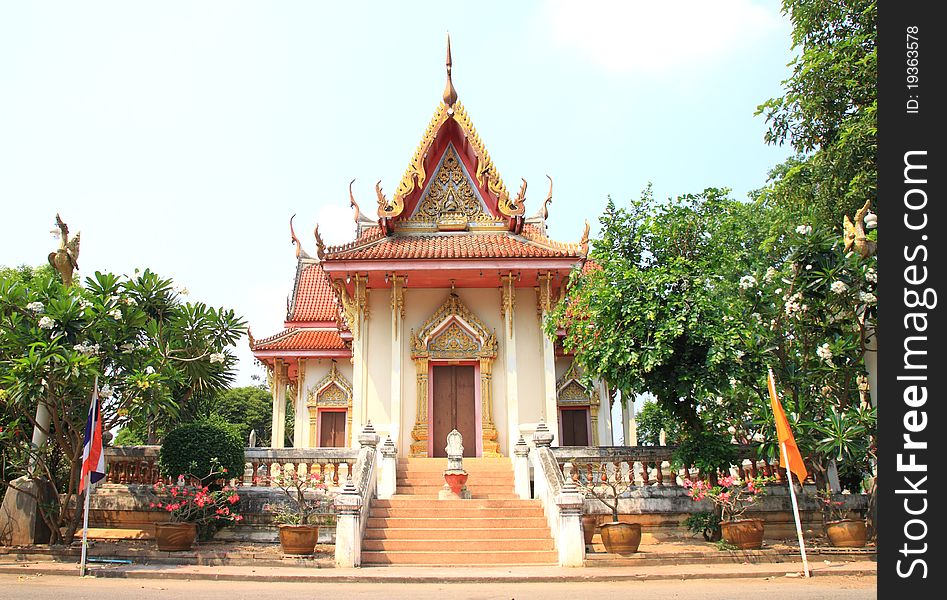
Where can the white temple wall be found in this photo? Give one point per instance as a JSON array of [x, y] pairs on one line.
[[420, 304], [315, 370]]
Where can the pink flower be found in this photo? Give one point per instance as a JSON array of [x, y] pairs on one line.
[[233, 498]]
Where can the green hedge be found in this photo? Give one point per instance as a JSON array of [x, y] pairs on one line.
[[190, 449]]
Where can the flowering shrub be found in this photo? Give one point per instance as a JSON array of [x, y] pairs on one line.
[[832, 509], [209, 508], [731, 497], [307, 501]]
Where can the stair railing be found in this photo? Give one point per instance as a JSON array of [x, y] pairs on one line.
[[354, 502]]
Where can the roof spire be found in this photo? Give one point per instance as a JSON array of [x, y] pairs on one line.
[[450, 94]]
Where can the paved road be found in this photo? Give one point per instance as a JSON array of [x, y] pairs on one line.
[[42, 587]]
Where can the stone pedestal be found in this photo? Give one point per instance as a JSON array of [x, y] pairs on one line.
[[455, 477], [571, 541], [388, 470], [521, 469], [20, 521], [348, 531]]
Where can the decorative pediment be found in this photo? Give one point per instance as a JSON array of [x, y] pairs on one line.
[[332, 390], [453, 331], [451, 200], [571, 392]]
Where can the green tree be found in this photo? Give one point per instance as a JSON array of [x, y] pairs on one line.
[[651, 420], [652, 311], [146, 347], [250, 409], [828, 112]]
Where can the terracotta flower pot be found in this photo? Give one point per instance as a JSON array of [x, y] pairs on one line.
[[298, 539], [589, 524], [175, 537], [621, 538], [847, 533], [745, 534]]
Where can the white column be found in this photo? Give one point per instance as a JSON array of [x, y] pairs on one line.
[[359, 352], [550, 400], [507, 304], [301, 420], [397, 355], [604, 414], [631, 426], [278, 387]]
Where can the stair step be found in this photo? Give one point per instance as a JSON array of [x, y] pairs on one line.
[[458, 545], [438, 465], [440, 558], [450, 514], [414, 502], [422, 488], [475, 495], [461, 523], [486, 533]]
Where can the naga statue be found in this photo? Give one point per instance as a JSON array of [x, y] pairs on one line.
[[66, 259]]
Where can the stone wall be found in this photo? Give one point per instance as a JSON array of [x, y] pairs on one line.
[[662, 510]]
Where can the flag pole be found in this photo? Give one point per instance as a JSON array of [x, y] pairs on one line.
[[85, 525], [88, 494], [795, 512]]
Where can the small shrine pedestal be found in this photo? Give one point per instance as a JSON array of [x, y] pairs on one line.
[[455, 477]]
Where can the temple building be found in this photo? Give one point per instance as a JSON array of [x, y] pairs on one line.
[[431, 318]]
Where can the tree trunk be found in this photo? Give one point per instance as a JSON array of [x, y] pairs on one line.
[[871, 519]]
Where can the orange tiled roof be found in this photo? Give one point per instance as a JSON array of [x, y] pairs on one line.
[[314, 299], [373, 244], [301, 339]]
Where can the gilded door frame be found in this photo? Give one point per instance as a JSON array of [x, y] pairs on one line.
[[454, 334], [317, 399]]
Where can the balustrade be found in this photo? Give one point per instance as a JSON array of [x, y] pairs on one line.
[[130, 465], [650, 466]]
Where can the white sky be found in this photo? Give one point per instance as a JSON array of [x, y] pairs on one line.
[[181, 136]]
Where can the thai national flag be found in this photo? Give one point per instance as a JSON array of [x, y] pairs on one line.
[[93, 458]]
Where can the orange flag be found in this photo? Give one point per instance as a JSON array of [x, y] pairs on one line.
[[792, 456]]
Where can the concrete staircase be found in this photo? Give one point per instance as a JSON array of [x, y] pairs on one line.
[[494, 527]]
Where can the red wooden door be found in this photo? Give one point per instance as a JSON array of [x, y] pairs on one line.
[[454, 407], [575, 426], [332, 429]]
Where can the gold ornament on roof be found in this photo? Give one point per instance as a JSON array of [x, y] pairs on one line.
[[516, 207], [386, 208], [584, 242], [65, 259], [300, 253], [320, 245], [450, 94], [352, 203], [548, 200]]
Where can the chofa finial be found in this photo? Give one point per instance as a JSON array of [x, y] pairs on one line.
[[450, 94]]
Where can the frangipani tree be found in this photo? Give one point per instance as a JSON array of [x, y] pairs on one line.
[[148, 348]]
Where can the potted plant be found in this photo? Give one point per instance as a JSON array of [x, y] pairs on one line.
[[705, 523], [841, 531], [194, 511], [307, 506], [731, 497], [607, 485]]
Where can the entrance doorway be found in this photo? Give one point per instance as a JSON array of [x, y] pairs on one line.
[[453, 407], [331, 428], [575, 426]]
